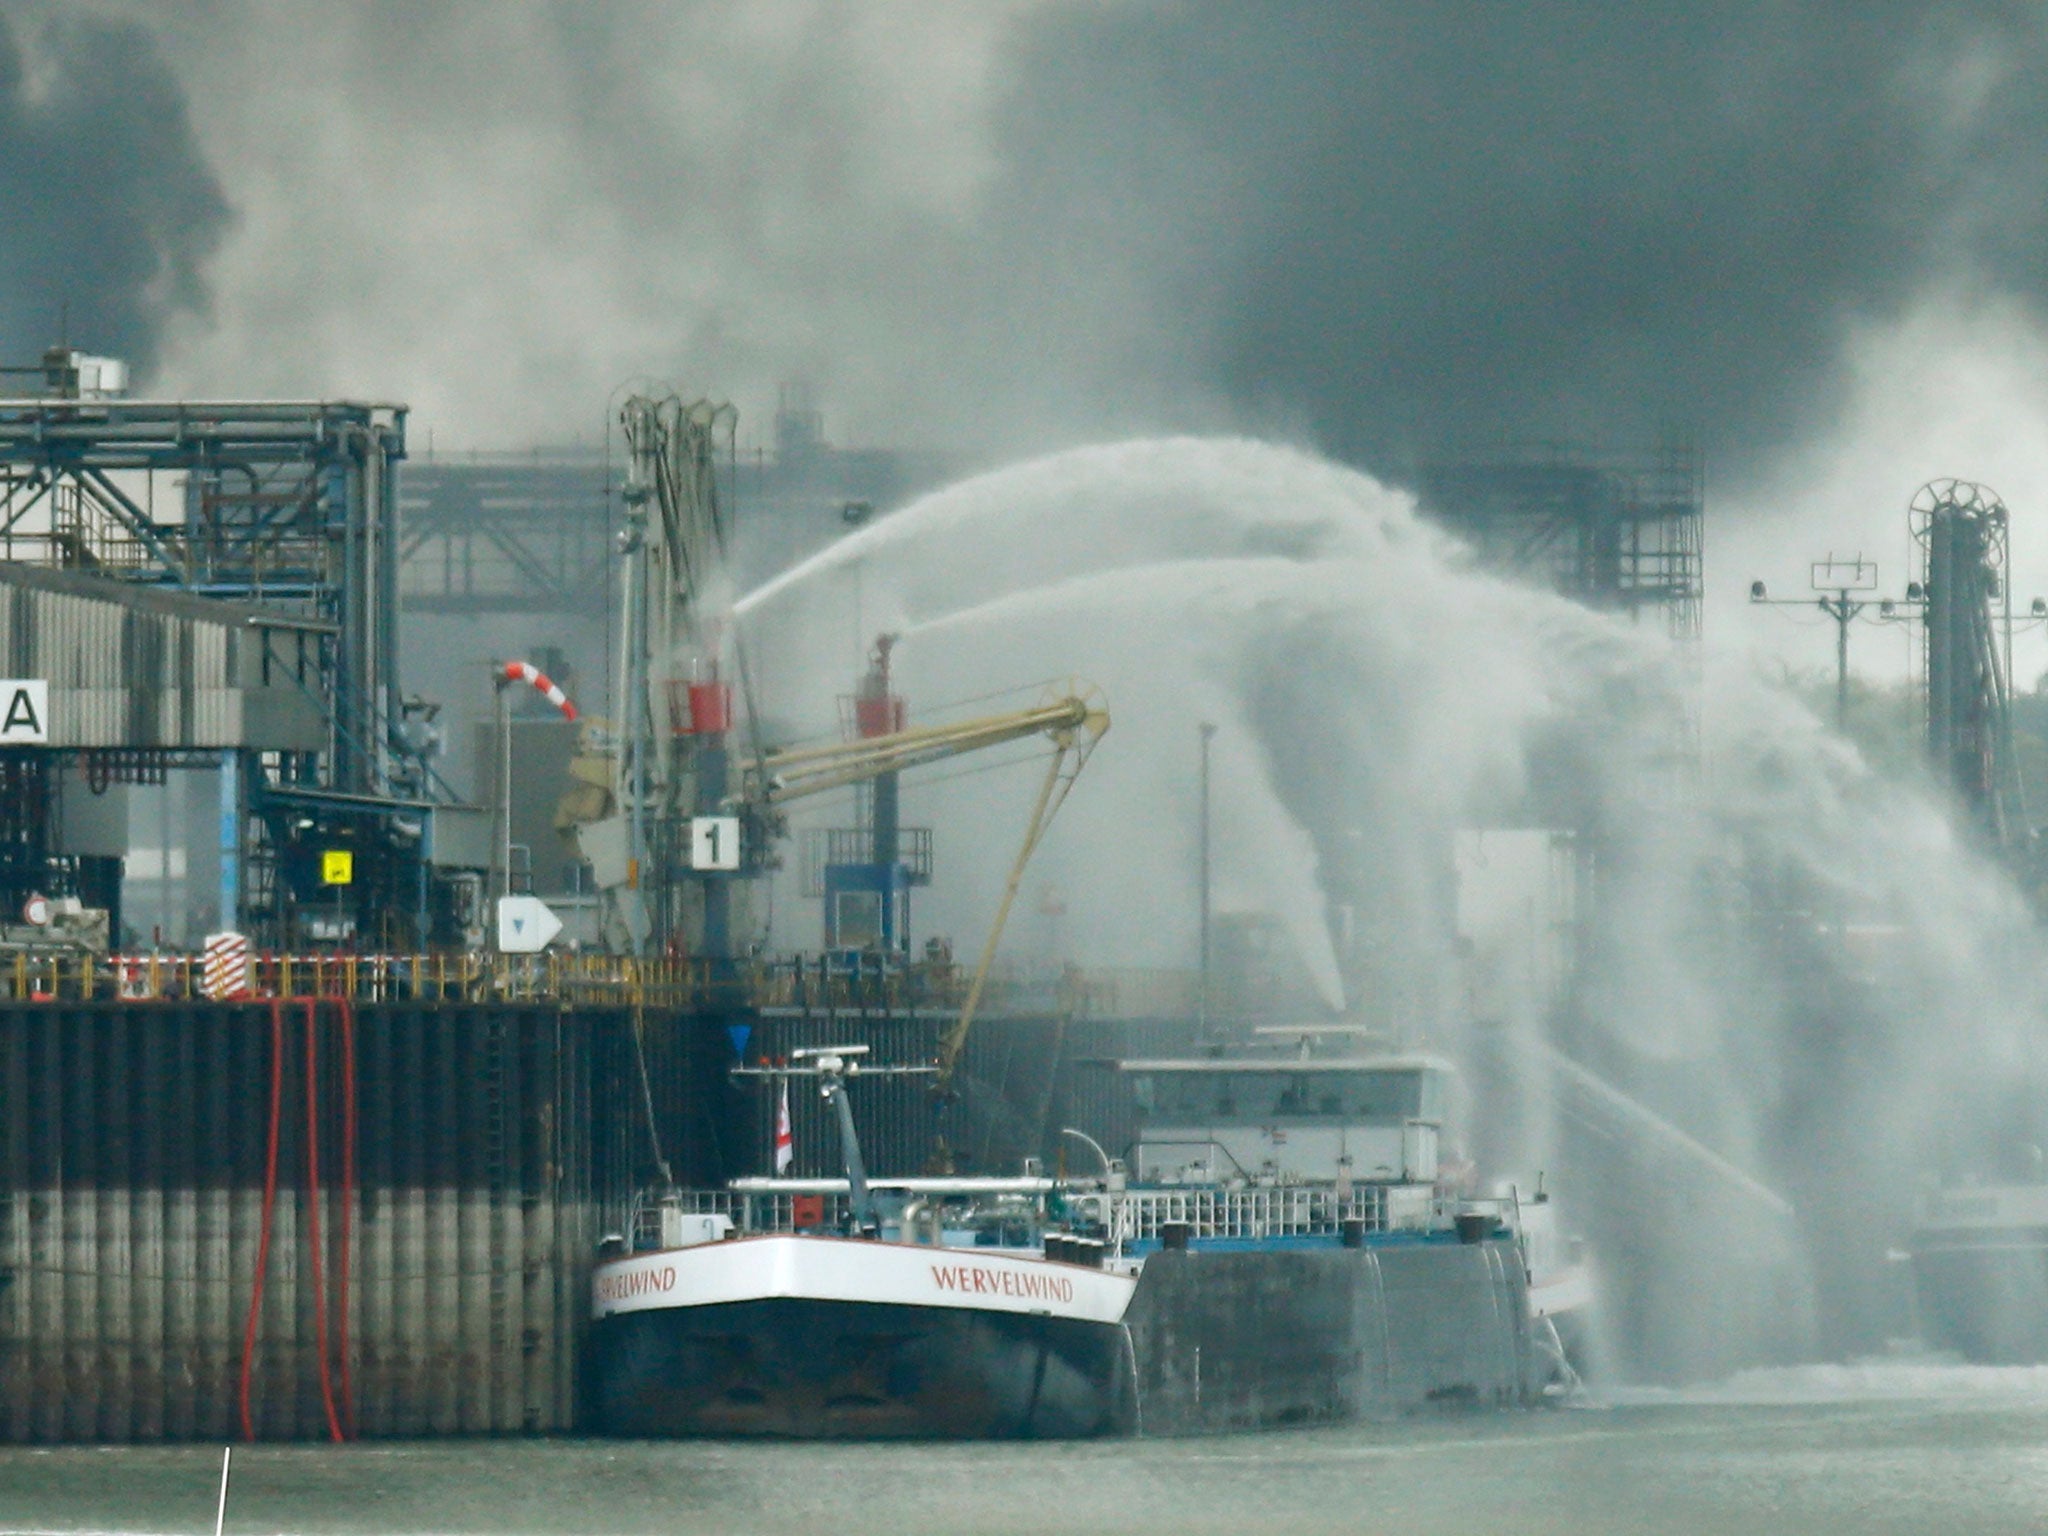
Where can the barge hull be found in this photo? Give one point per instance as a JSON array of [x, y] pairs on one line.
[[1228, 1341], [1211, 1342], [811, 1369]]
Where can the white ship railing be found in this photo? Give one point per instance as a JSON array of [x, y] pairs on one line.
[[1139, 1215], [1136, 1218], [751, 1210]]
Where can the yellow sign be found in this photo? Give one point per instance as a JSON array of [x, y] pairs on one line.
[[337, 866]]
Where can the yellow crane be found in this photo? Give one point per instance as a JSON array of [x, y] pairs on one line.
[[1074, 722]]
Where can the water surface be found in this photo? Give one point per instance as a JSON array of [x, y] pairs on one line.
[[1800, 1453]]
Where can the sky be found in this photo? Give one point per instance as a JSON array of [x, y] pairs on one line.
[[1805, 236]]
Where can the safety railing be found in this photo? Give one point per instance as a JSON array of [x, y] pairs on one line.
[[1137, 1217], [839, 981], [569, 980], [753, 1211], [814, 984], [1132, 1221]]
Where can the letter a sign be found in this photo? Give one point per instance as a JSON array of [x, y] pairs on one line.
[[24, 712]]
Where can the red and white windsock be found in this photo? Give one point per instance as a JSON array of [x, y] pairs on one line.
[[527, 672], [785, 1143]]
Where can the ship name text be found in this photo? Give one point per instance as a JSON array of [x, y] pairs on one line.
[[979, 1281], [635, 1282]]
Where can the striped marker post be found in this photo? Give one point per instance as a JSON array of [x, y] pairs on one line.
[[225, 972]]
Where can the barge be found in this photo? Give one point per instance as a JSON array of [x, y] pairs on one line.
[[1282, 1248]]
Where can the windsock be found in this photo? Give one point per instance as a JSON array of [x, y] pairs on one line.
[[527, 672]]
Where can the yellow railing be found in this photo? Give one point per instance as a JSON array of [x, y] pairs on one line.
[[566, 979], [811, 983], [435, 976]]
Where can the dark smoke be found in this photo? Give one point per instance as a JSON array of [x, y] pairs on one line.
[[1424, 225], [110, 209]]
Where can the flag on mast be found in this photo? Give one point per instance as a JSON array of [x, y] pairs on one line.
[[785, 1143]]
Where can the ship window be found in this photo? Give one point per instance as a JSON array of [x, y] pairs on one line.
[[1208, 1098], [857, 920], [1383, 1095]]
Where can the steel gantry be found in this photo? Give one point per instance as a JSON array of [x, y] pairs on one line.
[[289, 505]]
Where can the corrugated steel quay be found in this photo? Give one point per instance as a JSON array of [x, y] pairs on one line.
[[289, 1221], [328, 1216]]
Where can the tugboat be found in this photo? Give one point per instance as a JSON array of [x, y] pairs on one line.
[[1281, 1249]]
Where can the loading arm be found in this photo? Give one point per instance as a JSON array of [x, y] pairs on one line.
[[778, 776], [1075, 722], [1072, 745]]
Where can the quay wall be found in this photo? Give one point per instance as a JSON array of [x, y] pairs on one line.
[[429, 1176], [435, 1172]]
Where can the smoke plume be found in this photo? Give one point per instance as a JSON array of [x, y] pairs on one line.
[[1404, 227], [1386, 228], [111, 212]]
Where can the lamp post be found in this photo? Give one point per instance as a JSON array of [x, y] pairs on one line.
[[501, 845], [1207, 733], [1838, 582]]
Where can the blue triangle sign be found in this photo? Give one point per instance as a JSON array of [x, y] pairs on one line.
[[740, 1034]]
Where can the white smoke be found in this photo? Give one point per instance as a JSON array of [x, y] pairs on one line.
[[1795, 963]]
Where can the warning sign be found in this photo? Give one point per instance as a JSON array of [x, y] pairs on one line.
[[25, 717], [337, 866], [225, 972]]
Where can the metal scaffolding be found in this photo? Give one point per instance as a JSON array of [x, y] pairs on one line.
[[508, 533], [1619, 535], [288, 505]]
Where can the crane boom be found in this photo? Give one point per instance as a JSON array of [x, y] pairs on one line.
[[1075, 723], [779, 776]]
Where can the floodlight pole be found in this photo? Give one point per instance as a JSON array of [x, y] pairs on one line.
[[501, 844], [1207, 734], [1842, 609], [1839, 603]]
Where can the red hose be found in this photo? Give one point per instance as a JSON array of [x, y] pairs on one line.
[[269, 1205], [348, 1192], [313, 1220]]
